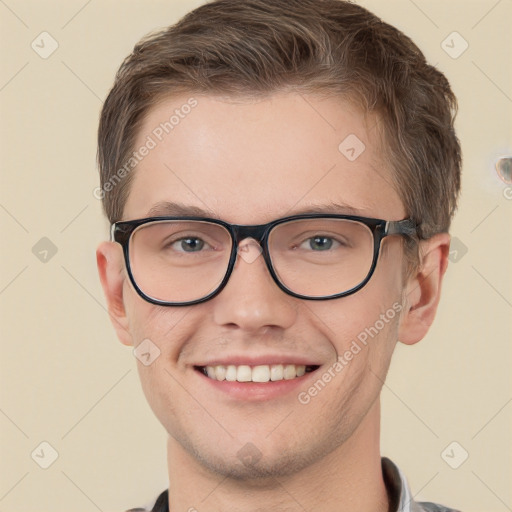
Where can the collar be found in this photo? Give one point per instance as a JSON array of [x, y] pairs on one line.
[[400, 496]]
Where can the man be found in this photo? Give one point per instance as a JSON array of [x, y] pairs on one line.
[[280, 177]]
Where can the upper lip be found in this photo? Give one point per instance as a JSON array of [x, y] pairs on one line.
[[270, 359]]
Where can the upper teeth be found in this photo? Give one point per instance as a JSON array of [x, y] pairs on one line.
[[262, 373]]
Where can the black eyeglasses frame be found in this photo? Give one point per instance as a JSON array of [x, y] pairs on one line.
[[122, 231]]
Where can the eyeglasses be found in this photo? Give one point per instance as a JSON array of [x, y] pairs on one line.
[[179, 261]]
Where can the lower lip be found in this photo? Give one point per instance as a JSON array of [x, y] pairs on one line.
[[258, 391]]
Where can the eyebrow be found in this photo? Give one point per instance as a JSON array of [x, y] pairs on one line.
[[174, 209], [171, 209], [331, 207]]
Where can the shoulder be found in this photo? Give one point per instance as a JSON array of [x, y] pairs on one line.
[[401, 497], [426, 506], [160, 505]]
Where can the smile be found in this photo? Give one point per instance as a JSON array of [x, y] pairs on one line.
[[260, 373]]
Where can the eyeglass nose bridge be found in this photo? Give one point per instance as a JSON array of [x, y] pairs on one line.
[[258, 233], [241, 232]]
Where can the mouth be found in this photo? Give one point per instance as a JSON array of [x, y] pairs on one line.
[[260, 373]]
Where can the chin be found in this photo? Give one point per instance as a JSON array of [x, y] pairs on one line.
[[257, 468]]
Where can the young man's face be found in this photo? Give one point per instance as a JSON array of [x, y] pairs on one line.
[[250, 163]]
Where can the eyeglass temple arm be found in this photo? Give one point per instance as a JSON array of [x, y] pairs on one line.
[[119, 233], [401, 227]]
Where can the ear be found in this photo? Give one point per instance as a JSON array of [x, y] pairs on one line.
[[423, 289], [109, 258]]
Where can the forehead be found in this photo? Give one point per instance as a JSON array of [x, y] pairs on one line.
[[250, 161]]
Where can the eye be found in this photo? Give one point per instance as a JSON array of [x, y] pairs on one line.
[[188, 244], [319, 243]]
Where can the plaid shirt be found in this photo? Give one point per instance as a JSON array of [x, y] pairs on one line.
[[401, 499]]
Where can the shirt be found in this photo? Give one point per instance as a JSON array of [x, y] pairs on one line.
[[401, 499]]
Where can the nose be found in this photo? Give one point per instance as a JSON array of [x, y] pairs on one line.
[[251, 301]]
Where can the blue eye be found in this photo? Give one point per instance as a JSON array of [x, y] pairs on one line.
[[191, 244], [319, 243]]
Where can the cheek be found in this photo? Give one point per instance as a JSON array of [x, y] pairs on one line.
[[161, 332], [363, 328], [364, 320], [161, 391], [163, 326]]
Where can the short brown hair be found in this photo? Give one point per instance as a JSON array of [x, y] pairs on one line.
[[257, 47]]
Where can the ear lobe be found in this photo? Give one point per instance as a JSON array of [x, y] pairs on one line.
[[109, 259], [423, 289]]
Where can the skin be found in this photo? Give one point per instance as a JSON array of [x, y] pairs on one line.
[[249, 162]]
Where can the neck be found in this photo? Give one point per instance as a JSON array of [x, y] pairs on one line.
[[347, 479]]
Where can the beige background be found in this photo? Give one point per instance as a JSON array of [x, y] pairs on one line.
[[66, 380]]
